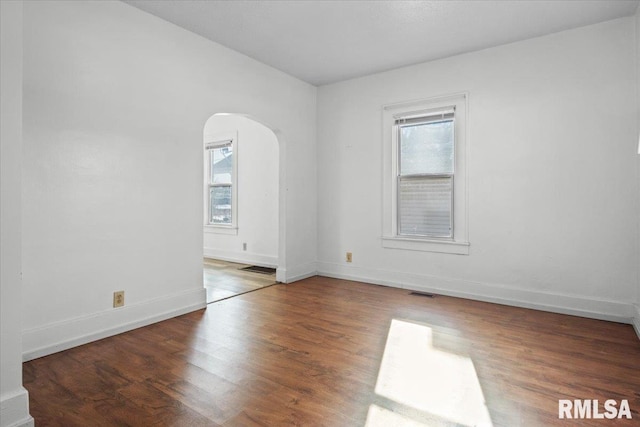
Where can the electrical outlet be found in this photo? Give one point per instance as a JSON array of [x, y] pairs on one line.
[[118, 299], [349, 257], [244, 246]]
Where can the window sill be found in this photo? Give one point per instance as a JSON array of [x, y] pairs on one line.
[[442, 246], [221, 229]]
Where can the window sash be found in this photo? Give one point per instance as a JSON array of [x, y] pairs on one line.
[[210, 148], [400, 127], [437, 218], [425, 205], [213, 209]]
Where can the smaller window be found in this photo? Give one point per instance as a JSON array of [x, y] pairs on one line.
[[221, 182]]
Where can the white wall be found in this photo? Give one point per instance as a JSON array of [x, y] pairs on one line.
[[553, 191], [114, 105], [637, 22], [257, 151], [14, 399]]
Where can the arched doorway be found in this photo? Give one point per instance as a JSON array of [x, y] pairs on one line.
[[241, 205]]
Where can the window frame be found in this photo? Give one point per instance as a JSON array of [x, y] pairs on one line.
[[211, 142], [458, 241]]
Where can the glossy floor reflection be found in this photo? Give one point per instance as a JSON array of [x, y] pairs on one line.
[[223, 279]]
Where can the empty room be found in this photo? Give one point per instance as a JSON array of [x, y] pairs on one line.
[[439, 200]]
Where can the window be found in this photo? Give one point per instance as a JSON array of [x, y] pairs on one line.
[[425, 175], [221, 182]]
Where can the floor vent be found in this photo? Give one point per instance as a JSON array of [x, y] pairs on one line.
[[258, 269], [422, 294]]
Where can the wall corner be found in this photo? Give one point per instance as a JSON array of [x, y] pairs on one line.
[[636, 319]]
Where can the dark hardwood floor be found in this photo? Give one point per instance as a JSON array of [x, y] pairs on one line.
[[338, 353]]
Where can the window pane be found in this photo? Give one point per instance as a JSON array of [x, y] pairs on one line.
[[426, 148], [220, 205], [221, 159], [424, 206]]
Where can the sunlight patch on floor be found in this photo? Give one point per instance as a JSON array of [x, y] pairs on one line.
[[419, 376], [381, 417]]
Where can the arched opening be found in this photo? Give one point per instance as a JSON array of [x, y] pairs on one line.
[[243, 206]]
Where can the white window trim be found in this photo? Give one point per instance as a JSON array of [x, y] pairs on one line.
[[459, 243], [214, 139]]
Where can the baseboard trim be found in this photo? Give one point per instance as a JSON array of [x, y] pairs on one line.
[[14, 409], [636, 320], [59, 336], [557, 303], [242, 257], [299, 272]]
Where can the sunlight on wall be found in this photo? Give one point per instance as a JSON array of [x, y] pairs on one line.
[[415, 374]]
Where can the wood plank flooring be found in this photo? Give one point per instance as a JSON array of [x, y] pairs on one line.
[[223, 279], [326, 352]]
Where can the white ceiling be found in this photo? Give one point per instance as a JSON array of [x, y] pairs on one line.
[[327, 41]]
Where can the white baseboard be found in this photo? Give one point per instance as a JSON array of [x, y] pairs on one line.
[[295, 273], [58, 336], [557, 303], [636, 320], [14, 409], [242, 257]]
